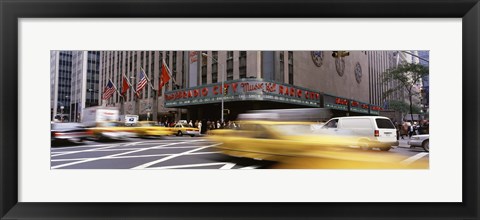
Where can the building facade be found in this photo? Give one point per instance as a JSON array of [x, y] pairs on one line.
[[252, 80], [74, 83], [85, 82], [425, 101], [60, 84]]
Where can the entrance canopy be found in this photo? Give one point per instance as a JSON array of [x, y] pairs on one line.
[[243, 90]]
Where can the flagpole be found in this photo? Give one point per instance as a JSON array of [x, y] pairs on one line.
[[148, 79]]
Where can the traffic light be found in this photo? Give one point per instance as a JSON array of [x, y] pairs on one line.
[[225, 90], [339, 54], [226, 111]]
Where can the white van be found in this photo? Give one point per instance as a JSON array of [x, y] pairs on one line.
[[372, 131]]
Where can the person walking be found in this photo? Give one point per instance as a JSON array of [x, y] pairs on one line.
[[199, 125]]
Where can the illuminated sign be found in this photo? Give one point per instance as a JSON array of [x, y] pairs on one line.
[[375, 109], [242, 90], [335, 102], [360, 107]]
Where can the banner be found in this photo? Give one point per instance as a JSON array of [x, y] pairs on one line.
[[192, 68]]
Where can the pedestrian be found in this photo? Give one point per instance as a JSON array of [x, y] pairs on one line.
[[198, 124], [190, 124], [397, 128], [218, 124], [410, 130]]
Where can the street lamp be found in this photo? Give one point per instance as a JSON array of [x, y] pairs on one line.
[[223, 76]]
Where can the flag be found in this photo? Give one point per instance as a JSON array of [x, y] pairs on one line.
[[142, 83], [125, 85], [165, 77], [109, 90]]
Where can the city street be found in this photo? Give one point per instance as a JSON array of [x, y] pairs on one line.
[[174, 153]]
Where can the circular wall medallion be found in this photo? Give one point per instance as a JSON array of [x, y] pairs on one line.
[[317, 57], [340, 65], [358, 73]]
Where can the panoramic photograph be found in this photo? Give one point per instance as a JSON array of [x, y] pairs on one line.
[[154, 110]]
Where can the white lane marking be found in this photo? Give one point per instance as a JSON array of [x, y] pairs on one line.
[[114, 155], [63, 148], [187, 166], [249, 168], [81, 151], [199, 153], [113, 158], [227, 166], [143, 166], [135, 156], [413, 158]]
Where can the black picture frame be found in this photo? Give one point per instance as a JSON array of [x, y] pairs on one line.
[[11, 11]]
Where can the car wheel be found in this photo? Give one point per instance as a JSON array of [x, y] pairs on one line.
[[426, 146], [179, 133], [364, 145], [192, 135]]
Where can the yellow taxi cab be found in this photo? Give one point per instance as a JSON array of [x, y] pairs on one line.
[[297, 145], [149, 128], [185, 129], [111, 130]]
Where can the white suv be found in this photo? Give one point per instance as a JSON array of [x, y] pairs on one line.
[[372, 131]]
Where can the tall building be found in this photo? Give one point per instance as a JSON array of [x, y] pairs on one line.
[[425, 57], [85, 82], [74, 82], [60, 84], [380, 62], [252, 80]]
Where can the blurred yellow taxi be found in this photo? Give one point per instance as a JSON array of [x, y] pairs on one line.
[[185, 129], [297, 145], [270, 139], [149, 129], [111, 130]]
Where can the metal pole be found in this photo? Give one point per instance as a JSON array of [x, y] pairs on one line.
[[223, 76]]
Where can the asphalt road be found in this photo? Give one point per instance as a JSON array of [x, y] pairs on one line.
[[172, 153]]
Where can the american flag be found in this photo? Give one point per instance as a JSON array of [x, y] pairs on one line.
[[142, 83], [109, 90]]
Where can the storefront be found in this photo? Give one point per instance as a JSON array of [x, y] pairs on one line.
[[341, 106], [239, 96]]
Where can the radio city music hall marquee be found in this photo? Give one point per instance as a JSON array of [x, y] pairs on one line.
[[243, 90]]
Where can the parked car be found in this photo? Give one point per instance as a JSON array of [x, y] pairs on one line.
[[67, 132], [370, 131], [185, 129], [421, 140]]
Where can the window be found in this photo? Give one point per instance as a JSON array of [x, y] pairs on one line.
[[290, 67], [204, 68], [331, 124], [282, 65], [384, 123], [229, 65], [214, 66], [174, 68], [243, 64]]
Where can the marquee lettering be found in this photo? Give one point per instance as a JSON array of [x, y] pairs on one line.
[[234, 86]]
